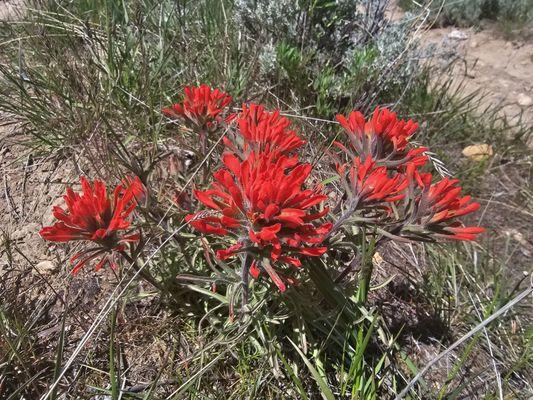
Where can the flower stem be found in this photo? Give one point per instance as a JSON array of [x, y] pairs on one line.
[[367, 267], [203, 150], [244, 277]]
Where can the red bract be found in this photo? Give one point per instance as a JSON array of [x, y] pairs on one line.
[[94, 216], [264, 131], [201, 107], [438, 206], [260, 201], [383, 137], [370, 184]]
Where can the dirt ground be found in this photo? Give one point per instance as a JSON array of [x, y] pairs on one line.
[[9, 9], [502, 70]]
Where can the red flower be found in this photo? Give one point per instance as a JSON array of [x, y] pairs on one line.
[[93, 216], [201, 108], [264, 132], [439, 205], [261, 202], [383, 137], [370, 184]]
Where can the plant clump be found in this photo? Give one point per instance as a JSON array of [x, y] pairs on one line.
[[265, 200]]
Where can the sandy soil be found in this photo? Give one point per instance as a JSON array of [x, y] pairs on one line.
[[499, 69]]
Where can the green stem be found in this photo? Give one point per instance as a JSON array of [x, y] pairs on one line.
[[203, 150], [113, 373], [364, 282], [244, 276], [331, 292], [367, 267]]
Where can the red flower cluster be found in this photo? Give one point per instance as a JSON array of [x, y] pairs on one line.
[[383, 137], [437, 208], [260, 200], [389, 173], [263, 131], [201, 107], [93, 216]]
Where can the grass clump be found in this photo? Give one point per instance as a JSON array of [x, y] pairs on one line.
[[107, 65]]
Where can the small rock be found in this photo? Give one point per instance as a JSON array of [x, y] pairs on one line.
[[46, 267], [478, 152], [457, 35], [524, 100], [377, 259]]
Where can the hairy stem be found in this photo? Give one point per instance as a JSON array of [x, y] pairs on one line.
[[367, 267], [244, 277]]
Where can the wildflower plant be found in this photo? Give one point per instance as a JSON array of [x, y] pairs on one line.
[[257, 232], [277, 222], [269, 206], [202, 110], [262, 204], [386, 169]]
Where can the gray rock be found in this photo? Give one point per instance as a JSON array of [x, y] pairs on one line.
[[457, 35]]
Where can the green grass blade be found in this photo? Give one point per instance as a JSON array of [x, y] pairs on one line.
[[59, 354], [292, 375], [113, 373], [325, 391]]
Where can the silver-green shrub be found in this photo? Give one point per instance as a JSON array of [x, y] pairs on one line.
[[348, 50]]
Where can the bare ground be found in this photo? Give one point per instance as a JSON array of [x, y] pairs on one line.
[[502, 70]]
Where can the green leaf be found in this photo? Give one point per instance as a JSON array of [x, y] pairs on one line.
[[209, 293]]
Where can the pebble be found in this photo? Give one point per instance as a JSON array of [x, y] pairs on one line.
[[527, 248], [46, 267], [377, 259], [524, 100], [478, 152], [457, 35]]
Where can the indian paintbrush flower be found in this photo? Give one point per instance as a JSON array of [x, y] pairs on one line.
[[261, 202], [262, 131], [370, 184], [436, 209], [96, 217], [201, 108], [383, 137]]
